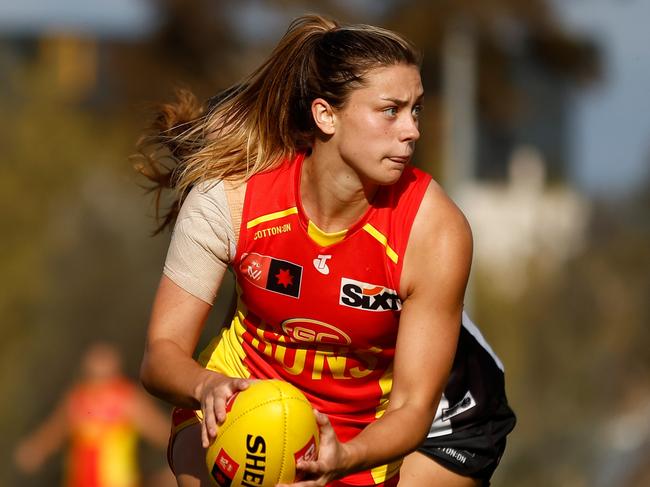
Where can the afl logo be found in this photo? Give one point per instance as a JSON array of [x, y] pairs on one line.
[[306, 330]]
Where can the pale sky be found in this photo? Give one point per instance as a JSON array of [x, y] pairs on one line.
[[611, 121], [114, 17]]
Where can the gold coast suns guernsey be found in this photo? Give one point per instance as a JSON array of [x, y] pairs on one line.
[[103, 447], [320, 310]]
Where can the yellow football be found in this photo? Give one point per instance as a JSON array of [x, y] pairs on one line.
[[268, 428]]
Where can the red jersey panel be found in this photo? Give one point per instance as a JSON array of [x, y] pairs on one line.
[[103, 439], [324, 317]]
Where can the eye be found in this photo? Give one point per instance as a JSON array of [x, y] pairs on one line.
[[390, 112], [416, 111]]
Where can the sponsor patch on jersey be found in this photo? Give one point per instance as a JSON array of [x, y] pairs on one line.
[[314, 331], [279, 276], [320, 263], [369, 297], [272, 231], [466, 403]]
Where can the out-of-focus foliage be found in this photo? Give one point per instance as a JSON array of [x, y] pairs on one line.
[[510, 36], [77, 262], [577, 355], [504, 29]]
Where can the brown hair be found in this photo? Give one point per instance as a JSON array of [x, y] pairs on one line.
[[266, 118]]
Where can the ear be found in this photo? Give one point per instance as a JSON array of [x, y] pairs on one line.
[[324, 116]]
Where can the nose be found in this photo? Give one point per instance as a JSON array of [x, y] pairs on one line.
[[410, 131]]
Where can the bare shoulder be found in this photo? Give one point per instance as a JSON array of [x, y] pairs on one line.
[[439, 213], [440, 243]]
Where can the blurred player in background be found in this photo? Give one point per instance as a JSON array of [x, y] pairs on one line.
[[100, 419]]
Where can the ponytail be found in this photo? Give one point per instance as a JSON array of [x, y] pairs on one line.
[[163, 147]]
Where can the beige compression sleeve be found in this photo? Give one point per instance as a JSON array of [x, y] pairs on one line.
[[203, 242]]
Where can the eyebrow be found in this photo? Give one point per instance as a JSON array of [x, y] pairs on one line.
[[400, 102]]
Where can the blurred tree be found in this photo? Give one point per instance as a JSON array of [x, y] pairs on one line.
[[74, 255], [199, 44], [576, 351], [194, 45], [501, 27]]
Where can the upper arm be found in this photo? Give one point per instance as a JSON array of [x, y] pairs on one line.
[[434, 277], [202, 246], [177, 316], [203, 242], [55, 428]]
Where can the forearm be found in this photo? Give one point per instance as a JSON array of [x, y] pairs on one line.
[[34, 450], [168, 370], [404, 428], [171, 374]]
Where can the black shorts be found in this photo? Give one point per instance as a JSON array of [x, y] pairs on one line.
[[474, 452], [468, 435]]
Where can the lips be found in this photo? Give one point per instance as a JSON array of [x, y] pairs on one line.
[[400, 159]]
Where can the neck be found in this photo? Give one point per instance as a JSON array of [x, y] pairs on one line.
[[333, 196]]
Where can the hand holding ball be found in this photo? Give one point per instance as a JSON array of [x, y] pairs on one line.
[[268, 428]]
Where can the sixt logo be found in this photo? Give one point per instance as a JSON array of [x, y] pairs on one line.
[[369, 297]]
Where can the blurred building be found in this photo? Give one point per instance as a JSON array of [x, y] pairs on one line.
[[507, 77], [67, 43], [523, 225], [543, 106]]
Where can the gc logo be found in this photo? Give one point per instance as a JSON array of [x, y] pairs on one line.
[[307, 330]]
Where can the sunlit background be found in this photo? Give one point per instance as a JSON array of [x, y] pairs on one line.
[[537, 121]]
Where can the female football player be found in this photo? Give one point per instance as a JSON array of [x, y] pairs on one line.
[[350, 264]]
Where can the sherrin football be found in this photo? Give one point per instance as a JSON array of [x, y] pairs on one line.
[[268, 428]]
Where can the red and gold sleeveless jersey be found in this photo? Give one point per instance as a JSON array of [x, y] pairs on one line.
[[320, 310], [103, 440]]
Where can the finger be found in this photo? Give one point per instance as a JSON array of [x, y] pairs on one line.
[[205, 442], [321, 419], [241, 384], [309, 468], [209, 419], [324, 425], [220, 409], [305, 483]]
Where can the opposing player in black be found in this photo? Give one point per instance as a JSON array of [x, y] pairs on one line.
[[468, 434]]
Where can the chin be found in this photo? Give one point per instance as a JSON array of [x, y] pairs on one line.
[[391, 175], [388, 177]]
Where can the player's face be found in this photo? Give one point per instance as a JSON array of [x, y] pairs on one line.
[[377, 128], [101, 362]]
